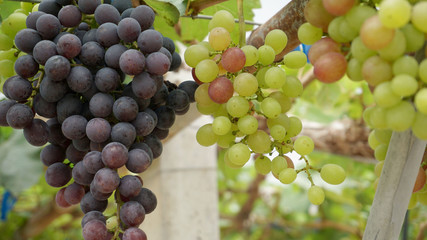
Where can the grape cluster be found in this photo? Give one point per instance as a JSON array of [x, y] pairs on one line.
[[383, 45], [240, 86], [71, 90]]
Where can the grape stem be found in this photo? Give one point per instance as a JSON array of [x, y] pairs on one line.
[[118, 202], [306, 169]]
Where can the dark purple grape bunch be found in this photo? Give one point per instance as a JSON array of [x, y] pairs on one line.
[[91, 87]]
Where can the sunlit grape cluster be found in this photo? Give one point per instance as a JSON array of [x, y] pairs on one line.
[[384, 44], [239, 85]]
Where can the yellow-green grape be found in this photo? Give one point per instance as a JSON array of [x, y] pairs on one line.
[[239, 154], [222, 18], [205, 135], [295, 127], [422, 70], [247, 124], [284, 101], [395, 48], [194, 54], [357, 15], [219, 38], [304, 145], [231, 164], [309, 34], [421, 100], [27, 6], [206, 45], [419, 17], [207, 70], [278, 132], [419, 126], [367, 113], [201, 95], [221, 111], [413, 201], [400, 117], [380, 152], [262, 165], [316, 195], [207, 109], [276, 39], [8, 54], [384, 95], [277, 165], [259, 142], [404, 85], [332, 174], [6, 42], [260, 76], [359, 50], [270, 107], [354, 70], [275, 77], [285, 149], [383, 135], [394, 13], [405, 65], [379, 168], [245, 84], [282, 119], [13, 24], [287, 175], [295, 59], [6, 68], [226, 140], [35, 8], [237, 106], [414, 37], [266, 55], [112, 223], [377, 117], [334, 30], [422, 197], [251, 54], [292, 87], [346, 31], [373, 141], [221, 125]]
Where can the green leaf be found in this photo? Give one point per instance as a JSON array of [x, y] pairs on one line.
[[20, 167], [166, 10]]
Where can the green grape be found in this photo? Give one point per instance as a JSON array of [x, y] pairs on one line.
[[219, 38], [8, 54], [222, 18], [332, 174], [245, 84], [205, 135], [420, 100], [237, 106], [422, 71], [406, 65], [260, 76], [360, 51], [295, 127], [285, 149], [414, 38], [112, 223], [206, 45], [383, 135], [6, 42], [354, 70], [367, 113], [334, 30], [394, 13], [395, 49], [221, 125], [380, 152], [295, 60], [378, 117], [221, 111], [231, 164], [292, 87], [419, 126], [287, 175], [275, 77], [404, 85], [6, 68], [226, 140], [284, 101], [251, 54], [413, 201], [266, 55], [194, 54], [239, 154], [201, 95], [278, 132], [208, 109], [207, 70], [372, 140], [304, 145], [309, 34], [419, 17], [247, 124], [316, 195], [276, 39], [263, 165], [259, 142], [35, 8], [346, 31], [270, 107], [357, 16], [384, 95], [379, 168], [278, 164], [13, 24], [282, 119], [27, 6]]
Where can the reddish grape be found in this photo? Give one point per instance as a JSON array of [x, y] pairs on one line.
[[317, 15], [338, 7], [331, 67], [322, 47], [233, 59], [60, 199], [420, 181], [220, 90]]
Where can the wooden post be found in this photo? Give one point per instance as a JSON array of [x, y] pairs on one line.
[[395, 186]]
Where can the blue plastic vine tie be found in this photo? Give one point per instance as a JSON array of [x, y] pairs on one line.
[[6, 205]]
